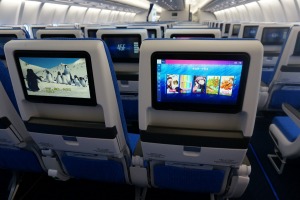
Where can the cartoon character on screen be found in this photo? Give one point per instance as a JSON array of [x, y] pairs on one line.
[[82, 81], [172, 84], [200, 84], [59, 78], [49, 77], [76, 81], [66, 76], [32, 80]]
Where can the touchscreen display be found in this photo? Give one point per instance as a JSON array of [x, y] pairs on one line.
[[56, 77], [250, 31], [123, 48], [274, 36], [200, 82]]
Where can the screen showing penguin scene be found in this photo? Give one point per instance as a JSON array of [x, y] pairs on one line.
[[56, 79], [214, 85], [123, 48]]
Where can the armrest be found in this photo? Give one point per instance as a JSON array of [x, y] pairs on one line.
[[292, 113]]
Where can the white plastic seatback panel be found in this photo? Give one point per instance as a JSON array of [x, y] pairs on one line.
[[107, 105], [157, 28], [215, 32], [207, 155], [19, 33], [124, 67], [242, 121], [84, 145], [287, 58], [76, 33]]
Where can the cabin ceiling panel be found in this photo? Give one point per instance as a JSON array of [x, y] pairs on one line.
[[268, 13], [255, 12], [217, 5], [244, 15], [30, 12], [290, 9], [75, 14], [104, 4], [171, 5], [91, 16], [9, 11], [47, 13]]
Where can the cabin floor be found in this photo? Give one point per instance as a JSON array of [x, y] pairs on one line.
[[265, 183]]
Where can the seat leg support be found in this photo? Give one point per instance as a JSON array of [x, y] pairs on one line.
[[14, 185], [140, 193], [278, 167]]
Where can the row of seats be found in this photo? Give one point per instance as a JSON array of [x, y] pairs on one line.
[[193, 136], [126, 59]]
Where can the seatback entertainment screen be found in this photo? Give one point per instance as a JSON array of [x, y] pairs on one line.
[[211, 82], [274, 36], [250, 31], [56, 77], [123, 48]]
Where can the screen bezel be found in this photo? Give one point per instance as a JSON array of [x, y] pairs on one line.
[[123, 36], [49, 36], [200, 107], [57, 54], [277, 41], [35, 29], [193, 35], [248, 27]]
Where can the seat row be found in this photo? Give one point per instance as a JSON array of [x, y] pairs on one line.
[[196, 116]]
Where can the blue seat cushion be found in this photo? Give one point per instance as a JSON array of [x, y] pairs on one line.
[[290, 130], [2, 54], [267, 76], [19, 159], [6, 82], [94, 169], [130, 109], [189, 180], [285, 96]]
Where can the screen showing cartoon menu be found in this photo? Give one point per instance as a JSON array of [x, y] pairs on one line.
[[215, 85], [192, 36], [274, 36], [53, 78], [4, 38], [250, 31], [123, 47]]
